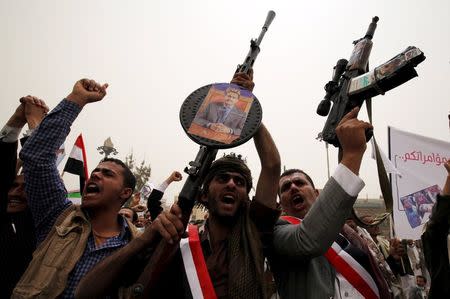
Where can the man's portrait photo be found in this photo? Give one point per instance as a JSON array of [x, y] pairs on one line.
[[223, 113]]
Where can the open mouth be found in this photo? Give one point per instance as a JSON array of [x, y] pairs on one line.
[[297, 199], [16, 205], [228, 199], [92, 188], [15, 202]]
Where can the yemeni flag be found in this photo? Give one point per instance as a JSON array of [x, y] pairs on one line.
[[74, 196], [77, 163]]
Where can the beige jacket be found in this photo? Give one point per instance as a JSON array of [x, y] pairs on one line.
[[46, 275]]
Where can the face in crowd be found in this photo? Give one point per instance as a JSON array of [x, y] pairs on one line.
[[372, 230], [109, 185], [297, 194], [421, 281], [226, 193], [17, 199], [142, 221], [226, 188]]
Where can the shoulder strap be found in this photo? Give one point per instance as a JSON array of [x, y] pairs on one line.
[[195, 265], [347, 266], [291, 219]]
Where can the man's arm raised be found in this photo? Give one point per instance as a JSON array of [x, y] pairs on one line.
[[8, 154], [267, 186], [87, 91], [47, 196], [325, 219], [154, 199], [35, 110]]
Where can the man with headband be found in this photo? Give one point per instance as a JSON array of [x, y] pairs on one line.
[[231, 240]]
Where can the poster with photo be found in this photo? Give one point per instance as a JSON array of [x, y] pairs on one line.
[[223, 113], [421, 176]]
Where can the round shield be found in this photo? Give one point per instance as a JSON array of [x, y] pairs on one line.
[[221, 115]]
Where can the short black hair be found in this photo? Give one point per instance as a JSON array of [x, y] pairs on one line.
[[295, 170], [129, 180]]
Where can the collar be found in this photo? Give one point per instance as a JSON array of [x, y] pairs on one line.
[[120, 240], [205, 241], [125, 231]]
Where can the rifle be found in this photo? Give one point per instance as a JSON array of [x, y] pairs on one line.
[[351, 82], [164, 252]]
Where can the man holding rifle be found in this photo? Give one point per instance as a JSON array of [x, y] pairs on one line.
[[306, 263], [228, 263]]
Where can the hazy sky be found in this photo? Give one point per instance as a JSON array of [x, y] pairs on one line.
[[155, 53]]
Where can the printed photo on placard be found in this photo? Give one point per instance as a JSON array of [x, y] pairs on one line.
[[222, 115], [417, 204]]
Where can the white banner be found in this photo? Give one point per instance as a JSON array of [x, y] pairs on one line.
[[419, 161]]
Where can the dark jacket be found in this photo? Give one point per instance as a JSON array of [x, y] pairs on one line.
[[17, 235], [435, 248]]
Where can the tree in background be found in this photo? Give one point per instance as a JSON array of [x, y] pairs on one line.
[[141, 172]]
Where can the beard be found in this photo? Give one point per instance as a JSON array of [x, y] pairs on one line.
[[226, 220]]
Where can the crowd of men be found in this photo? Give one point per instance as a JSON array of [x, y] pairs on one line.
[[303, 238]]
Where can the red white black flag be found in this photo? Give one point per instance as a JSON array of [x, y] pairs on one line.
[[77, 163]]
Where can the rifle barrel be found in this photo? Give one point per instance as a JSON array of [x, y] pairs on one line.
[[254, 45], [270, 16], [371, 30]]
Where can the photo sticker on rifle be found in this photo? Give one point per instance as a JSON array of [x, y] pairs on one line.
[[222, 114], [388, 68]]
